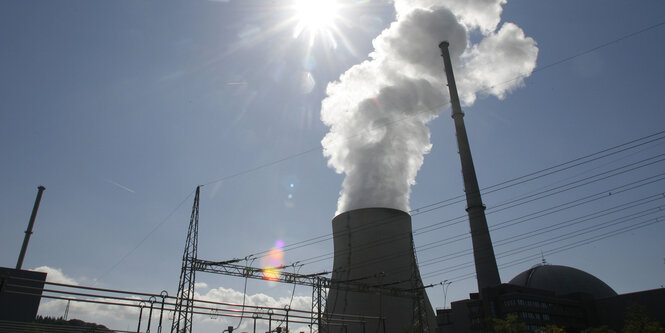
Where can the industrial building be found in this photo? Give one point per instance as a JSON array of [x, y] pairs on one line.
[[374, 246], [546, 295], [541, 296]]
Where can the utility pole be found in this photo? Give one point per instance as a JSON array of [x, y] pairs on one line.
[[66, 310], [487, 272], [28, 232]]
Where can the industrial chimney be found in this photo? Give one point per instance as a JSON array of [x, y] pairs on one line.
[[487, 272], [374, 248]]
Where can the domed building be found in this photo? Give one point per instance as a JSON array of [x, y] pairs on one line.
[[563, 280], [548, 295]]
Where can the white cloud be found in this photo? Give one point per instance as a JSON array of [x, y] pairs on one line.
[[126, 317], [473, 14], [227, 295], [378, 110], [55, 275]]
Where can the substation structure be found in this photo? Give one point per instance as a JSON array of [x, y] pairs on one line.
[[184, 307]]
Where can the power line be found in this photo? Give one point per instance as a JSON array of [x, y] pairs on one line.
[[548, 211], [417, 210], [562, 248], [157, 226], [500, 186], [573, 203], [550, 65], [316, 148]]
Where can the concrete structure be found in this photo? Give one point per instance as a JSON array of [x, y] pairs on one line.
[[543, 295], [20, 293], [562, 280], [483, 252], [374, 247]]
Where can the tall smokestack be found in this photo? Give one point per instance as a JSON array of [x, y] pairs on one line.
[[28, 232], [374, 247], [487, 272]]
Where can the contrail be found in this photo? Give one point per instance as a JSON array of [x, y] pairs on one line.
[[112, 182]]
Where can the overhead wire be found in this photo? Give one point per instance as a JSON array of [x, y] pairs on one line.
[[415, 211], [130, 252], [501, 242], [576, 202], [316, 148], [538, 69], [504, 185], [541, 213], [537, 245], [557, 250]]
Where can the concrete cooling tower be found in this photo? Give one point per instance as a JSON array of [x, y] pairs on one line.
[[374, 248]]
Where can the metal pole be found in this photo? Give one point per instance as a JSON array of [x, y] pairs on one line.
[[28, 232], [254, 316], [445, 292], [319, 287], [287, 308], [164, 293], [152, 302], [483, 252], [269, 320], [141, 306]]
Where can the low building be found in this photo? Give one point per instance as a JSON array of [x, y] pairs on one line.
[[549, 295], [20, 293]]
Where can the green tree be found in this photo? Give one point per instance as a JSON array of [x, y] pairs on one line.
[[508, 325], [601, 329], [637, 321], [551, 329]]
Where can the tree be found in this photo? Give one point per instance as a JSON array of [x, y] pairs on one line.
[[508, 325], [637, 321], [551, 329], [601, 329]]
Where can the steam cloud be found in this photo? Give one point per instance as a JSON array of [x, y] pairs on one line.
[[378, 110]]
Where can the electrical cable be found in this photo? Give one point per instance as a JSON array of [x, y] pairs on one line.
[[536, 70], [541, 213], [157, 226], [244, 292], [550, 65], [570, 204], [417, 231], [559, 249], [313, 149]]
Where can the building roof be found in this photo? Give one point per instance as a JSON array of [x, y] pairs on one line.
[[563, 280]]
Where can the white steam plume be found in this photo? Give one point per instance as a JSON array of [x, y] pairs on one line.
[[378, 110]]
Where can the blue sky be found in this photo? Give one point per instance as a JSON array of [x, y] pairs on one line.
[[120, 108]]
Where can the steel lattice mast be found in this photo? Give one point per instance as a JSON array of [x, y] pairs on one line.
[[184, 308]]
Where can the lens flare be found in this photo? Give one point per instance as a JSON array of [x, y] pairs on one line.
[[273, 262], [270, 274]]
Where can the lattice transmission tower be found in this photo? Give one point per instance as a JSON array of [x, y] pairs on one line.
[[184, 308]]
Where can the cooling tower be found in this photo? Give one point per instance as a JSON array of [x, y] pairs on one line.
[[374, 248]]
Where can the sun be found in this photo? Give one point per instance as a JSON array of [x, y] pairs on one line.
[[314, 16]]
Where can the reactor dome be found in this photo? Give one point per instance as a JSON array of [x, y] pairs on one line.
[[563, 280]]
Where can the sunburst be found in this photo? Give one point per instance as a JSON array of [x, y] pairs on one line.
[[315, 17]]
